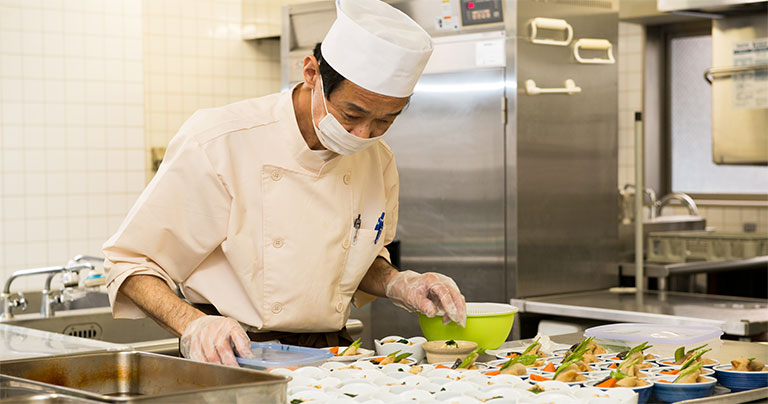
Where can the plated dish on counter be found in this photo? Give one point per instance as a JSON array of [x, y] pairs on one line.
[[584, 373]]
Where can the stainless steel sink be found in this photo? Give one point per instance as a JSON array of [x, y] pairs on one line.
[[122, 377], [47, 399], [95, 323]]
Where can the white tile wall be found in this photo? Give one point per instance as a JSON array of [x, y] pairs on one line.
[[630, 58], [194, 58], [71, 127]]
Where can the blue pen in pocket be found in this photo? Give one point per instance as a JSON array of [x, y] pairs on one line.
[[379, 227]]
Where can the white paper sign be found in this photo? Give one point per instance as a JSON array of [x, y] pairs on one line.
[[750, 88], [490, 53]]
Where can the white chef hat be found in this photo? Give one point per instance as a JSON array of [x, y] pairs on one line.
[[377, 47]]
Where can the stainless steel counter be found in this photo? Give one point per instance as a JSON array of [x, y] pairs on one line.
[[662, 271], [735, 316], [22, 343]]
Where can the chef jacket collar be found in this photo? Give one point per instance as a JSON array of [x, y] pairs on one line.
[[298, 146]]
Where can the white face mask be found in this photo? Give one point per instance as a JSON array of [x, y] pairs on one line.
[[333, 136]]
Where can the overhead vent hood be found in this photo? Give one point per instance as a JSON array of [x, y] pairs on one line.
[[713, 8]]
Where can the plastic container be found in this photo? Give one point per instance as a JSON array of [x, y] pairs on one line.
[[488, 324], [268, 355], [664, 338]]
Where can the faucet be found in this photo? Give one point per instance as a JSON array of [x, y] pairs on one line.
[[13, 300], [91, 258], [49, 298], [677, 196], [647, 191], [9, 301]]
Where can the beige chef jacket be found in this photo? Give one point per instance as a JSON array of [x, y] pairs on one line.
[[244, 216]]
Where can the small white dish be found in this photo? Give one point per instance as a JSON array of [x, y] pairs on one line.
[[414, 346], [361, 353]]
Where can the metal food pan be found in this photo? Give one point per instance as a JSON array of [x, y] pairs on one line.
[[127, 377]]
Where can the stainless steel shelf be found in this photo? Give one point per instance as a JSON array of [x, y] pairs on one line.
[[735, 316], [655, 270]]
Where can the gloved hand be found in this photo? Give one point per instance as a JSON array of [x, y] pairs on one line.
[[211, 339], [431, 294]]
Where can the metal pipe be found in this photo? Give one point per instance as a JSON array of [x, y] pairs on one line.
[[82, 257], [639, 184], [29, 272]]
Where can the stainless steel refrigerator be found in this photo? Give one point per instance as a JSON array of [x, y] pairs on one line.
[[507, 152]]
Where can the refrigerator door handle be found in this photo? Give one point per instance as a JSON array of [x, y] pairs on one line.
[[594, 44], [569, 88], [554, 24]]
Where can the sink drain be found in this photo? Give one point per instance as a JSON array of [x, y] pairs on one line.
[[85, 330]]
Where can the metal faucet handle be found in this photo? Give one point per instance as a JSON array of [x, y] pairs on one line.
[[18, 301]]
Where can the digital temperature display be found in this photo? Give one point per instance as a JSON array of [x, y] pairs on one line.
[[476, 12]]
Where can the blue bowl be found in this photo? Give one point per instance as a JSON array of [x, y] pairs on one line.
[[740, 381], [671, 392]]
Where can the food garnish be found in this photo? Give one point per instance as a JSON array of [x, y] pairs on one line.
[[352, 349], [451, 342], [693, 370], [469, 360]]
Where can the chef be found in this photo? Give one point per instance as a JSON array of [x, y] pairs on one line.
[[269, 216]]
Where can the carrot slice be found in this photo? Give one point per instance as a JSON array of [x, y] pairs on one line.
[[616, 358], [670, 372], [613, 366], [512, 355], [608, 383], [663, 381], [669, 363], [539, 378], [494, 373], [549, 368], [335, 350], [441, 367]]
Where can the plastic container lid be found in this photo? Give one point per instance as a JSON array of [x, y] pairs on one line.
[[655, 333], [271, 355]]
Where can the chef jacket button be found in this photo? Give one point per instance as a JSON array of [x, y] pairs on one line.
[[277, 175], [345, 244], [277, 308], [340, 307], [347, 178], [278, 242]]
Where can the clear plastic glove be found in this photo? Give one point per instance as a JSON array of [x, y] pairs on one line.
[[212, 339], [431, 294]]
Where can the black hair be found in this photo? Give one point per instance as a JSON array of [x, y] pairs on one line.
[[330, 77]]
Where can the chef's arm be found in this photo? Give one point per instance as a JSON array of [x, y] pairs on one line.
[[428, 293], [152, 295], [378, 276]]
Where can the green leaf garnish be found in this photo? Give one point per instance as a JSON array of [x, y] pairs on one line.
[[679, 353], [525, 360], [451, 342], [616, 374], [693, 358], [471, 358], [536, 389], [403, 341], [297, 401], [751, 359], [687, 372], [355, 344], [350, 395], [402, 356], [639, 348], [695, 349], [530, 347]]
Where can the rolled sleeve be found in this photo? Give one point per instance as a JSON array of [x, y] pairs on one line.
[[179, 219]]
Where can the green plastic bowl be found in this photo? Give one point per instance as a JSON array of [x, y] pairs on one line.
[[488, 324]]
